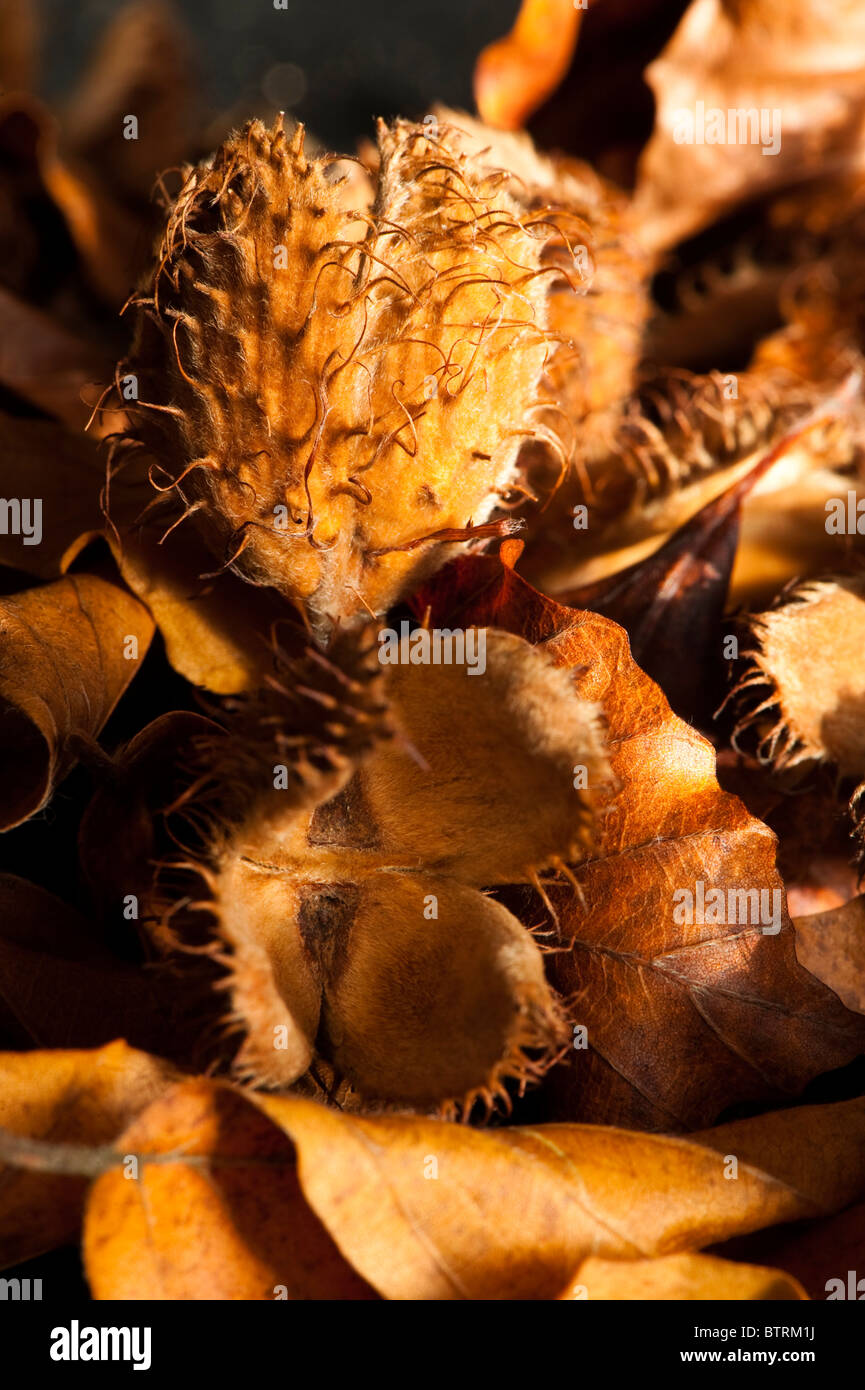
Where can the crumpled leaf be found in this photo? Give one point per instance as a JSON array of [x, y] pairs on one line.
[[144, 65], [117, 840], [216, 629], [68, 651], [423, 1209], [747, 1021], [81, 1097], [42, 459], [515, 74], [62, 984], [674, 600], [223, 1219], [832, 946], [46, 364], [817, 1253], [805, 61], [680, 1278]]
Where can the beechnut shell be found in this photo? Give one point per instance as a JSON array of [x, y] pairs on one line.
[[353, 908], [337, 370]]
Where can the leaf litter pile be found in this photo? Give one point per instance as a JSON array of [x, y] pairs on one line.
[[432, 671]]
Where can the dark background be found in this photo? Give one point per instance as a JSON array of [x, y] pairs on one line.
[[335, 65]]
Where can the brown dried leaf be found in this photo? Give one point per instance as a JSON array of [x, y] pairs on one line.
[[62, 986], [66, 656], [224, 1218], [740, 1018], [674, 600], [832, 946], [680, 1278], [427, 1210], [215, 628], [513, 1212], [515, 74], [64, 1097], [805, 62]]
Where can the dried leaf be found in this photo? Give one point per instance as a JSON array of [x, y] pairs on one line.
[[224, 1218], [513, 1212], [68, 650], [803, 66], [216, 629], [515, 74], [65, 1097], [680, 1278], [422, 1209], [832, 946], [674, 601], [741, 1019], [65, 987]]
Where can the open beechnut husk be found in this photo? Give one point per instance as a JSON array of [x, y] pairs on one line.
[[432, 682], [338, 372]]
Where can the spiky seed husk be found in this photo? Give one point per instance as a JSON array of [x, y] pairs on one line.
[[349, 904], [803, 689], [337, 373]]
